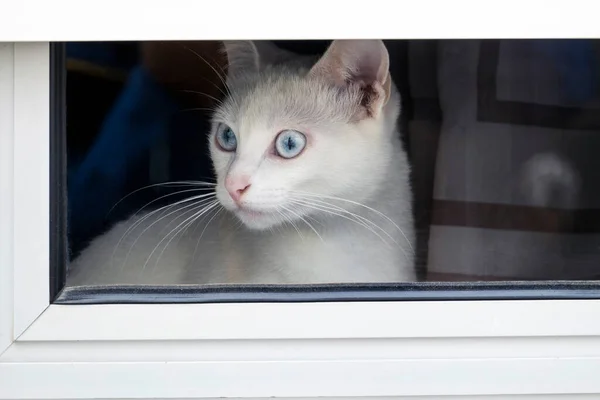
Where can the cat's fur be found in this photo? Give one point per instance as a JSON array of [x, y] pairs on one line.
[[347, 106]]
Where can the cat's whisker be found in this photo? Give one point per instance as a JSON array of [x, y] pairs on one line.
[[168, 206], [238, 225], [175, 194], [167, 184], [204, 209], [203, 218], [193, 198], [285, 219], [349, 218], [216, 64], [291, 221], [360, 205], [354, 215], [219, 208], [150, 214], [183, 229], [179, 228], [305, 221], [312, 227], [316, 221], [340, 213], [210, 110], [278, 227], [196, 204], [221, 78], [218, 101], [365, 222], [200, 220]]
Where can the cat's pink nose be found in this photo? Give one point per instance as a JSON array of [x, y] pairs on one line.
[[237, 186]]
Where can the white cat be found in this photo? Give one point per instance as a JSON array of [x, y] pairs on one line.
[[312, 183]]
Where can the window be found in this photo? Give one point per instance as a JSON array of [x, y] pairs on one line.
[[479, 322], [497, 197]]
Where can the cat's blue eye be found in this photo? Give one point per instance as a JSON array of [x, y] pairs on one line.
[[289, 143], [226, 138]]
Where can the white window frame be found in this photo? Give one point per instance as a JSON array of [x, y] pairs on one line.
[[436, 349]]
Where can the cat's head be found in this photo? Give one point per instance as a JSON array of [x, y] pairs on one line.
[[291, 136]]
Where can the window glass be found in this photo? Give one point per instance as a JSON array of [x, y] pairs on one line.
[[386, 168]]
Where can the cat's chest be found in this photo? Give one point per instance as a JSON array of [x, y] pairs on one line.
[[331, 256]]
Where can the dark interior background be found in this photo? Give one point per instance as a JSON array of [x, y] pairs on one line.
[[496, 76]]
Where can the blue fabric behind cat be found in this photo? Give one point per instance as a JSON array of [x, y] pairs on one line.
[[115, 55], [140, 116], [577, 63]]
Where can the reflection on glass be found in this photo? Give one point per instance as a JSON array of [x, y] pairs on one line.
[[333, 162]]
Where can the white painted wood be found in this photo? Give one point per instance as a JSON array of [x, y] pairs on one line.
[[313, 378], [61, 20], [493, 397], [318, 320], [6, 194], [302, 350], [31, 182], [438, 349]]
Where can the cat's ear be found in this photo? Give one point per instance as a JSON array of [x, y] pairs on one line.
[[248, 57], [364, 63], [242, 57]]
